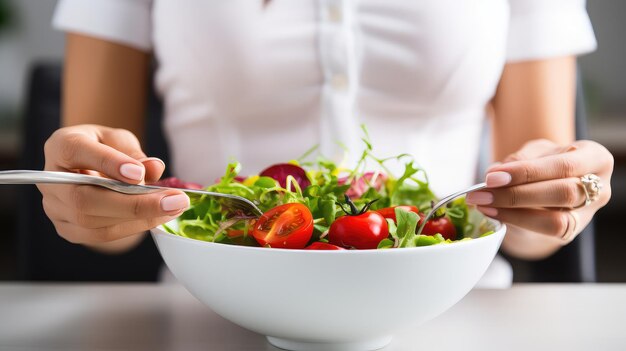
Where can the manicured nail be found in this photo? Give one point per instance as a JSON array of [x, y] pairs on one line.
[[479, 198], [174, 202], [488, 211], [150, 159], [497, 179], [132, 171]]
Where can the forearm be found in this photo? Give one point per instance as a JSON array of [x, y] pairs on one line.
[[535, 100], [118, 246], [528, 245], [105, 84]]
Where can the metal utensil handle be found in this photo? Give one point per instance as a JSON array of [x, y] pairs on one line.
[[43, 177], [447, 199], [48, 177]]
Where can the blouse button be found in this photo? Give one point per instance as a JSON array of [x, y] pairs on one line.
[[334, 13]]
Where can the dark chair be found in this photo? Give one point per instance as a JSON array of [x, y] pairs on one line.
[[42, 254]]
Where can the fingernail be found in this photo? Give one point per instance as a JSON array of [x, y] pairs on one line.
[[132, 171], [488, 211], [174, 202], [497, 179], [150, 159], [479, 198]]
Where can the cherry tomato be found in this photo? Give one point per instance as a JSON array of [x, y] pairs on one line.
[[442, 225], [363, 231], [390, 212], [287, 226], [318, 245]]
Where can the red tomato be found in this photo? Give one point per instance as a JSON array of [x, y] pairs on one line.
[[318, 245], [442, 225], [287, 226], [363, 231], [390, 212]]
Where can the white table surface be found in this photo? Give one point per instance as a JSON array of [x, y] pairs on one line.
[[166, 317]]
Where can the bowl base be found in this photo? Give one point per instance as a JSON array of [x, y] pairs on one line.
[[361, 345]]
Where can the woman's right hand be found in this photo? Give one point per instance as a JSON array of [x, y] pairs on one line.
[[92, 215]]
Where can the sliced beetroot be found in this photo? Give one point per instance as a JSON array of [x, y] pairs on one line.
[[361, 184], [173, 182], [279, 172]]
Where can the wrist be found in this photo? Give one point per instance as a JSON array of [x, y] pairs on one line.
[[119, 246], [528, 245]]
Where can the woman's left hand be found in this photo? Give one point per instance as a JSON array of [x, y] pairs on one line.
[[539, 188]]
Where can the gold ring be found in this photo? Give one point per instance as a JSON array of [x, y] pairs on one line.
[[591, 185]]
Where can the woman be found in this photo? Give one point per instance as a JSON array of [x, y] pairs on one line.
[[262, 81]]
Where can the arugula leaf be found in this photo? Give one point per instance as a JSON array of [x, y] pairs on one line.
[[168, 228], [393, 229], [386, 244], [407, 223], [427, 240], [459, 215], [232, 170], [411, 195], [327, 206], [266, 183], [197, 229]]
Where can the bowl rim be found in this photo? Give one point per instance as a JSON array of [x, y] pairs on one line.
[[499, 232]]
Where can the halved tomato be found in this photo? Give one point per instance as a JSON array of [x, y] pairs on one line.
[[287, 226]]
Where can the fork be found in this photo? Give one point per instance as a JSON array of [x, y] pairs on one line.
[[235, 203], [447, 199]]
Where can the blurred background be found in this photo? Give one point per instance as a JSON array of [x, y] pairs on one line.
[[27, 41]]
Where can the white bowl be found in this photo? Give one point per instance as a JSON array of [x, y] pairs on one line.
[[328, 300]]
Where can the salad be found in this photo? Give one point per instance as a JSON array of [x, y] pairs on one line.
[[318, 205]]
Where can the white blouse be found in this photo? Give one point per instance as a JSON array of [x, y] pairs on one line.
[[262, 84]]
